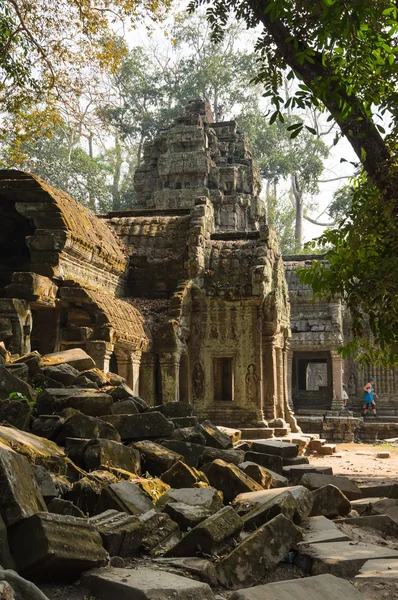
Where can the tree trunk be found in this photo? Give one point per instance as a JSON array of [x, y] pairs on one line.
[[358, 128], [298, 197], [115, 188]]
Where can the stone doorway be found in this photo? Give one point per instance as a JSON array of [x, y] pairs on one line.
[[312, 381]]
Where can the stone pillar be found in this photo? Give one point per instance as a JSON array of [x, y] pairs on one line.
[[169, 369], [147, 389], [101, 353], [128, 366], [269, 379], [288, 403], [279, 412], [289, 377], [337, 379]]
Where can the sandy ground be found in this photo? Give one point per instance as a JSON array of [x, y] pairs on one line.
[[360, 462]]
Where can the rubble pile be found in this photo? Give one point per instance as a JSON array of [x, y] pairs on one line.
[[93, 481]]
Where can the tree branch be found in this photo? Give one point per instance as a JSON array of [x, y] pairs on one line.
[[318, 223]]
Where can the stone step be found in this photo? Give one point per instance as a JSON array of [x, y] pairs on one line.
[[256, 433], [327, 449]]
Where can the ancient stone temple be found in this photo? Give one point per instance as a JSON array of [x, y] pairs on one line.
[[184, 295]]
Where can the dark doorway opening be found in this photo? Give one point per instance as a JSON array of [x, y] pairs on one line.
[[312, 382], [223, 379]]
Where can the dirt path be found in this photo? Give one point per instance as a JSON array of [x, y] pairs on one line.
[[360, 462]]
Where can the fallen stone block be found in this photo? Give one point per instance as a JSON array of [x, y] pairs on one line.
[[269, 461], [327, 449], [144, 583], [102, 454], [376, 575], [125, 407], [74, 449], [229, 456], [209, 535], [208, 498], [342, 559], [16, 412], [262, 549], [375, 490], [58, 506], [320, 530], [155, 459], [282, 449], [191, 453], [382, 523], [85, 494], [383, 454], [295, 461], [31, 360], [364, 505], [48, 547], [161, 532], [234, 434], [214, 437], [186, 515], [282, 504], [44, 482], [96, 376], [320, 587], [258, 473], [295, 472], [181, 475], [76, 357], [313, 481], [6, 560], [9, 383], [385, 506], [20, 496], [229, 479], [48, 426], [89, 402], [185, 421], [173, 410], [121, 533], [65, 373], [246, 502], [199, 568], [141, 426], [189, 434], [125, 497], [394, 492], [330, 502], [79, 425]]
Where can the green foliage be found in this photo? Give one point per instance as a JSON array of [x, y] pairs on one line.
[[342, 58], [17, 396], [65, 165]]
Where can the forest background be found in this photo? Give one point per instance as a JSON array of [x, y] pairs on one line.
[[79, 118]]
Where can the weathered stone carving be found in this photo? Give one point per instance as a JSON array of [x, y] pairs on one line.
[[198, 380]]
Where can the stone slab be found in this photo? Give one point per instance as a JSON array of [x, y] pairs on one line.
[[320, 587], [145, 584], [48, 547], [302, 496], [382, 523], [378, 569], [282, 449], [76, 357], [269, 461], [314, 481], [295, 472], [375, 490], [141, 426], [343, 559]]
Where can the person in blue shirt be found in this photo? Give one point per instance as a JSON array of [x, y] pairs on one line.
[[368, 401]]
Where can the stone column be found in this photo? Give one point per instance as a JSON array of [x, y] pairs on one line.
[[169, 369], [269, 379], [128, 366], [147, 389], [101, 353], [279, 412], [337, 378], [288, 403], [289, 377]]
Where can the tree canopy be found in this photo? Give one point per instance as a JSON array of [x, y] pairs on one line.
[[342, 57]]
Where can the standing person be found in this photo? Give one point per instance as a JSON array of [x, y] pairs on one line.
[[344, 396], [368, 401]]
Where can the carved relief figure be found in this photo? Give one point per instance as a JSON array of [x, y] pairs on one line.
[[214, 332], [251, 383], [197, 380]]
